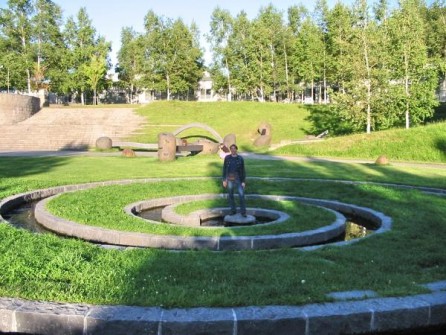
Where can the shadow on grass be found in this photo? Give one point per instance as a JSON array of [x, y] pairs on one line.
[[11, 167], [412, 252], [441, 145]]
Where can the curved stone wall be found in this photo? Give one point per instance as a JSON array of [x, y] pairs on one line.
[[15, 107]]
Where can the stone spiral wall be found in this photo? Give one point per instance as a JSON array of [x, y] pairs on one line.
[[15, 107]]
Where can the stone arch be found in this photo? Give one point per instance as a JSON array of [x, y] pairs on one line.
[[199, 125]]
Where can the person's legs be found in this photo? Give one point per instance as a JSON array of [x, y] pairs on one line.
[[231, 197], [241, 195]]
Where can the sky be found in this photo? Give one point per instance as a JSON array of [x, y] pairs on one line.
[[110, 16]]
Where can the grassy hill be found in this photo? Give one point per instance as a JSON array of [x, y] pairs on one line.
[[423, 144], [289, 123], [239, 118]]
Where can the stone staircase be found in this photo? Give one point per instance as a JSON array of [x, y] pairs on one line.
[[64, 128]]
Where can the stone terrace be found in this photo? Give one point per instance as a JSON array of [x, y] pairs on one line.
[[58, 128]]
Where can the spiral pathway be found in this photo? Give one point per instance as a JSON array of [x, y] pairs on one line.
[[353, 312]]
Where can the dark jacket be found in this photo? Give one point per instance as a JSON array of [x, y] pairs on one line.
[[234, 168]]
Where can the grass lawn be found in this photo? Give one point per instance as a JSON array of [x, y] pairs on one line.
[[47, 267], [289, 122]]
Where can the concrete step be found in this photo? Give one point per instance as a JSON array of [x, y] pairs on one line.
[[69, 128]]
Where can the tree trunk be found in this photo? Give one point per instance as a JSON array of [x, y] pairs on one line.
[[229, 82], [28, 79], [288, 93], [168, 87]]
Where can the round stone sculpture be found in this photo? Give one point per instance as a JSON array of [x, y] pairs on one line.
[[104, 143], [229, 139], [264, 138], [167, 147], [209, 147], [127, 152], [382, 160]]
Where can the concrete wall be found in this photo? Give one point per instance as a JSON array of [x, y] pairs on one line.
[[15, 107]]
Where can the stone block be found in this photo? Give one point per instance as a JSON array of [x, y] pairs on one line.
[[50, 318], [229, 140], [398, 313], [123, 320], [198, 321], [437, 303], [167, 147], [7, 309], [337, 318], [277, 320]]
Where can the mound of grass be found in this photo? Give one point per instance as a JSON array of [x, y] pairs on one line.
[[239, 118], [289, 123], [420, 144]]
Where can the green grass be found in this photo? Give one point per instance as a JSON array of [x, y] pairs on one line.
[[239, 118], [422, 144], [47, 267], [102, 207], [289, 123]]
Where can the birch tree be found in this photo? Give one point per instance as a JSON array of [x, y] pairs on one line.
[[414, 78], [16, 29], [83, 46], [172, 56], [220, 30]]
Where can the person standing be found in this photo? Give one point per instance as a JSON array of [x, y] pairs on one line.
[[234, 176]]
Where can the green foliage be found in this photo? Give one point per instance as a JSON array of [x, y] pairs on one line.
[[87, 57], [166, 57], [380, 72], [16, 31]]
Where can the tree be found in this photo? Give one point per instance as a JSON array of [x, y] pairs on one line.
[[309, 54], [243, 58], [172, 57], [82, 43], [95, 70], [321, 18], [48, 44], [130, 58], [270, 38], [296, 15], [16, 30], [436, 38], [339, 40], [366, 34], [414, 78], [221, 28], [31, 37]]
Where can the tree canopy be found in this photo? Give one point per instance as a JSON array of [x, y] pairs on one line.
[[376, 65]]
